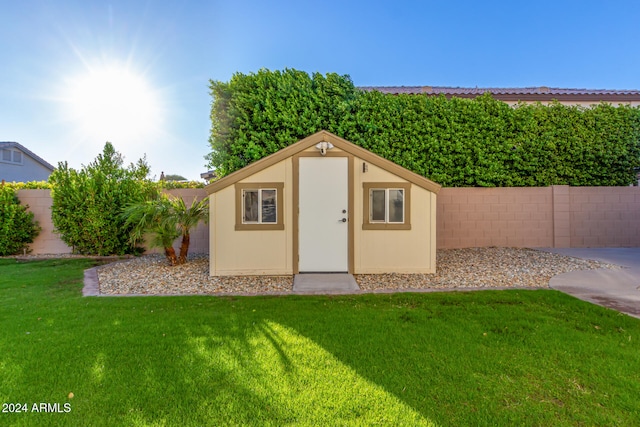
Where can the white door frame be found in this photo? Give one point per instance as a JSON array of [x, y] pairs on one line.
[[297, 253]]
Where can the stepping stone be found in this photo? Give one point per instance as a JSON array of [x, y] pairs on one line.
[[321, 283]]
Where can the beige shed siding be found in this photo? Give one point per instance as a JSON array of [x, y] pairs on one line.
[[238, 252], [251, 252], [399, 251]]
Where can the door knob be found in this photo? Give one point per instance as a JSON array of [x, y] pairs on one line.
[[344, 219]]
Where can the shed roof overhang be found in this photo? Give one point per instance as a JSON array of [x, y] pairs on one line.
[[311, 141]]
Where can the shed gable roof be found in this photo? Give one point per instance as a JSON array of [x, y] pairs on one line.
[[312, 140], [8, 144]]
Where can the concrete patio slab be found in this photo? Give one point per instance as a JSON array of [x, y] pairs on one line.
[[324, 283], [616, 289], [627, 257]]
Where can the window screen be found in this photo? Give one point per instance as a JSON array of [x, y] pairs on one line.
[[377, 205], [387, 205], [250, 206], [396, 205], [260, 206], [268, 206]]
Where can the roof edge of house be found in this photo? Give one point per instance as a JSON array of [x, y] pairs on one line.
[[535, 93], [30, 153]]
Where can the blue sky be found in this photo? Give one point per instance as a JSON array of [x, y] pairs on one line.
[[54, 52]]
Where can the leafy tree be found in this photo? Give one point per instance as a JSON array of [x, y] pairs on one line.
[[173, 177], [166, 218], [17, 226], [87, 203]]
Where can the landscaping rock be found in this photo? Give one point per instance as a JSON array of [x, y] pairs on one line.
[[456, 268], [151, 275], [484, 268]]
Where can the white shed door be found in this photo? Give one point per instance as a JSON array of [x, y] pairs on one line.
[[322, 218]]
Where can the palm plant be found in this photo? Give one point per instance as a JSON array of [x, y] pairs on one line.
[[166, 218], [186, 219]]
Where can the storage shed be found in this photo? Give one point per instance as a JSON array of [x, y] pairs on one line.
[[322, 204]]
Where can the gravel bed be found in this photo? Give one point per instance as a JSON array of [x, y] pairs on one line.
[[456, 268], [151, 275], [484, 268]]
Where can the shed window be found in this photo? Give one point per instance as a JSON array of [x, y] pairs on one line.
[[259, 206], [386, 206]]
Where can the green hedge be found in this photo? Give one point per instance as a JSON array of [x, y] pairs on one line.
[[258, 114], [173, 185], [456, 142], [30, 185], [160, 185], [17, 226]]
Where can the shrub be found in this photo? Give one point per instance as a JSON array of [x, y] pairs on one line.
[[87, 204], [29, 185], [17, 226]]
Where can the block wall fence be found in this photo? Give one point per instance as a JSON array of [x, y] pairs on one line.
[[48, 242], [557, 216]]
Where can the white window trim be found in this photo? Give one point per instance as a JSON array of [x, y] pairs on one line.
[[386, 205], [368, 224], [12, 155], [259, 190]]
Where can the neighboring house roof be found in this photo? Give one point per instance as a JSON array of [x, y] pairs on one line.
[[541, 93], [7, 144], [310, 141], [208, 175]]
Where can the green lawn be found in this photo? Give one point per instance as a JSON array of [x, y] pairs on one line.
[[463, 358]]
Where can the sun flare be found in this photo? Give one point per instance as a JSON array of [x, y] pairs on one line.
[[113, 104]]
